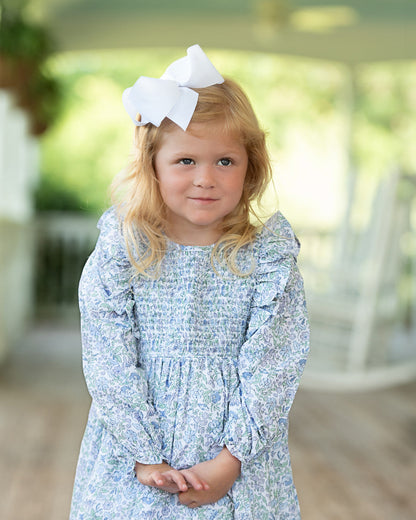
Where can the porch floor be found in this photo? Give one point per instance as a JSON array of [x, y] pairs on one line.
[[354, 455]]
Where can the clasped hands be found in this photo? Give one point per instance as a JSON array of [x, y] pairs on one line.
[[201, 484]]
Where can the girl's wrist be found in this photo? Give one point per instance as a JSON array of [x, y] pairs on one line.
[[228, 458], [139, 467], [225, 452]]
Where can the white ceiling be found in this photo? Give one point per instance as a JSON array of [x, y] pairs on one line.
[[352, 32]]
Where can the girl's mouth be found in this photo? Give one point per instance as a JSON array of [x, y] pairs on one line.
[[203, 200]]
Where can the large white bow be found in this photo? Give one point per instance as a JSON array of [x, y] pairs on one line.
[[154, 99]]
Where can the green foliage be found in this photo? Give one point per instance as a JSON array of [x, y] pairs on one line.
[[21, 40], [300, 103], [53, 194], [24, 48], [385, 125], [92, 139]]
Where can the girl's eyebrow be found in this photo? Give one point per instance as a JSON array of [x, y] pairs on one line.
[[220, 152], [179, 154]]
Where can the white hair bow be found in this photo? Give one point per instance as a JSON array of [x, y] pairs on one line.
[[170, 96]]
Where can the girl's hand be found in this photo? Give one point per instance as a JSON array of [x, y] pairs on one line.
[[164, 477], [220, 473]]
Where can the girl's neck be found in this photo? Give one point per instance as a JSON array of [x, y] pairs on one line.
[[192, 237]]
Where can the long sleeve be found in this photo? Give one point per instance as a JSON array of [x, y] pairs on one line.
[[114, 378], [272, 358]]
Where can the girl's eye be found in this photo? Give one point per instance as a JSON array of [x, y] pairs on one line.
[[225, 162], [186, 161]]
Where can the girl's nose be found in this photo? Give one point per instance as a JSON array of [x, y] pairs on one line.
[[204, 177]]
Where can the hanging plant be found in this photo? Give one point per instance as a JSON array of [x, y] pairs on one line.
[[24, 48], [44, 97]]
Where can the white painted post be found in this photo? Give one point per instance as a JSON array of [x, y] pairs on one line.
[[19, 165]]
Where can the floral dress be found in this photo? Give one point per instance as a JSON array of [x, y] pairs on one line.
[[184, 364]]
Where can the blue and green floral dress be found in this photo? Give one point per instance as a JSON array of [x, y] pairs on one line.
[[180, 366]]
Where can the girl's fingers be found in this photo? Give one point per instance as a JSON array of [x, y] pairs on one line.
[[195, 481], [179, 480], [158, 478], [171, 477]]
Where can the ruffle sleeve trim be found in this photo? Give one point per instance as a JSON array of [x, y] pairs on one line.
[[111, 241], [114, 268], [276, 249]]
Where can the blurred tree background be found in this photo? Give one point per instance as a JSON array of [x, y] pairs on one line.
[[322, 119]]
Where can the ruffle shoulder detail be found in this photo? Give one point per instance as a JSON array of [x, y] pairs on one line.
[[276, 250], [110, 266], [111, 244]]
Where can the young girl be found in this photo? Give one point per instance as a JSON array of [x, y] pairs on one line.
[[194, 324]]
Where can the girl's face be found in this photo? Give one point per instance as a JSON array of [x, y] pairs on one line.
[[201, 176]]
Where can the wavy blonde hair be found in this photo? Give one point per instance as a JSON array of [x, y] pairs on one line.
[[137, 195]]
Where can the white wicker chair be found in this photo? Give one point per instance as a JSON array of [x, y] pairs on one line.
[[363, 308]]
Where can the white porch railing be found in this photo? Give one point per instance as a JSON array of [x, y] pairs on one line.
[[63, 244]]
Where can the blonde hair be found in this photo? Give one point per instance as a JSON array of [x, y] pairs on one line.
[[142, 207]]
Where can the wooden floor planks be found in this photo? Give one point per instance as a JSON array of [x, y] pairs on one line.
[[353, 455]]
